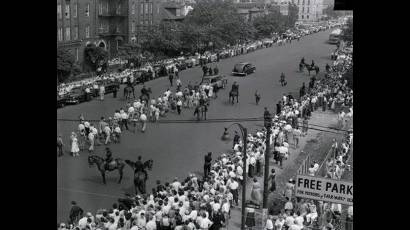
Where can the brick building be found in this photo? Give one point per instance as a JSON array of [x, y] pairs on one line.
[[110, 24], [309, 10]]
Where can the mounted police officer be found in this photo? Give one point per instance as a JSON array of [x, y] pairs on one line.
[[313, 64], [108, 158], [139, 167], [235, 87], [302, 61]]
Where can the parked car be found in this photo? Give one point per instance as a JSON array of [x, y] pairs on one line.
[[219, 81], [243, 68], [61, 101], [192, 61], [76, 96]]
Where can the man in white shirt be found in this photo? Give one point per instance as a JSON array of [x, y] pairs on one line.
[[151, 225], [269, 223], [279, 223], [233, 187]]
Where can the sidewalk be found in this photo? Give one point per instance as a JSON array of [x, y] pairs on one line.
[[312, 142]]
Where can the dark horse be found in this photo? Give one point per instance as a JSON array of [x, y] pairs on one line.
[[234, 93], [128, 90], [100, 162], [140, 178], [146, 96], [309, 68]]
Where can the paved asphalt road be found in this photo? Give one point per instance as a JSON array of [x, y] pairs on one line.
[[179, 148]]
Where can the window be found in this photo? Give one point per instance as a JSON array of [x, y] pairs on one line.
[[67, 11], [151, 21], [298, 2], [146, 8], [133, 27], [100, 8], [142, 8], [302, 17], [119, 9], [303, 10], [308, 2], [87, 10], [59, 15], [178, 12], [308, 10], [303, 2], [75, 10], [150, 8], [142, 22], [75, 33], [118, 29], [157, 9], [67, 33], [87, 32], [133, 8], [76, 54], [101, 27], [60, 34], [307, 16]]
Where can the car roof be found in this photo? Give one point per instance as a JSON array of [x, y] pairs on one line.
[[242, 63]]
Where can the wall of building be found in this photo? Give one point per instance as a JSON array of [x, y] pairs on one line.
[[309, 10]]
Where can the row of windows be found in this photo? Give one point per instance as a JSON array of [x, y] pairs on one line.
[[147, 7], [74, 35], [146, 22], [67, 11], [303, 2], [307, 16]]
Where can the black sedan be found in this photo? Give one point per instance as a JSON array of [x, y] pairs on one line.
[[243, 69], [78, 95]]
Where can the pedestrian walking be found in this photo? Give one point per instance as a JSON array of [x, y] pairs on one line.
[[74, 145], [272, 180], [257, 97], [296, 135], [107, 131], [305, 126], [60, 145], [91, 138], [171, 78], [179, 106], [143, 119], [102, 92], [114, 92]]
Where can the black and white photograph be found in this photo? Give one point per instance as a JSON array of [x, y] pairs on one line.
[[204, 115]]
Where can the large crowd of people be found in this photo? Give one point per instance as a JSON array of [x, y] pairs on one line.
[[205, 202]]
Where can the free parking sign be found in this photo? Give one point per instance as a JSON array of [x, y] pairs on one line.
[[328, 190]]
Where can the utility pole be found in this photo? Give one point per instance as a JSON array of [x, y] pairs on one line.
[[268, 125]]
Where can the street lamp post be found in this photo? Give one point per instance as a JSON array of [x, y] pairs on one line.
[[268, 125], [244, 132]]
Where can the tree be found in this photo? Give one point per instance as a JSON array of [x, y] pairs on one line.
[[95, 56], [292, 16], [348, 31], [65, 64], [270, 23]]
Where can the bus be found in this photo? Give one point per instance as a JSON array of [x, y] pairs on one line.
[[335, 36]]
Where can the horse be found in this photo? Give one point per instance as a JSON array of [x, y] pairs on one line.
[[127, 92], [100, 162], [140, 178], [310, 68], [146, 96], [232, 95]]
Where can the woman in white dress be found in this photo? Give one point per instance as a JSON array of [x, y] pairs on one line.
[[74, 145]]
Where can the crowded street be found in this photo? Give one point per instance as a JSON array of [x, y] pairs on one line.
[[178, 149]]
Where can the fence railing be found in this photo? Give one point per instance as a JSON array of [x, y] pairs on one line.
[[304, 167]]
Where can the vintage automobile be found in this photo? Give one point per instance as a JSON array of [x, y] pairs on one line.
[[243, 69], [61, 101], [219, 81], [77, 95]]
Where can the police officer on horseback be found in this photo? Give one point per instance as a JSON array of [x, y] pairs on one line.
[[139, 167], [302, 61], [108, 158], [313, 64]]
